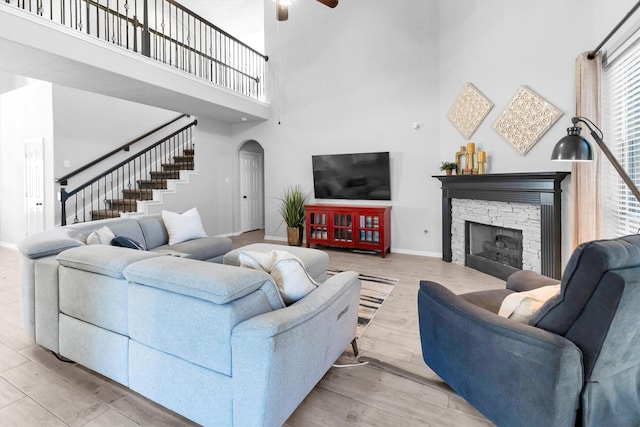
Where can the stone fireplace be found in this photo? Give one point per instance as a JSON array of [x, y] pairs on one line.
[[522, 209]]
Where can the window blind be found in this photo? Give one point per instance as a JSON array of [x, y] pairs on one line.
[[621, 99]]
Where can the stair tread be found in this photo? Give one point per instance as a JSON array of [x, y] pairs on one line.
[[157, 180], [178, 165]]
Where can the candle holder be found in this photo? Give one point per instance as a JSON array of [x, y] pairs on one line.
[[482, 160], [481, 168], [470, 164], [459, 156]]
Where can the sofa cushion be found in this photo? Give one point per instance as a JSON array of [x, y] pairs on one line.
[[183, 227], [50, 242], [127, 227], [101, 259], [217, 283], [94, 298], [155, 233], [490, 299], [203, 249]]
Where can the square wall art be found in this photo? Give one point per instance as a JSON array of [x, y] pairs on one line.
[[469, 110], [527, 117]]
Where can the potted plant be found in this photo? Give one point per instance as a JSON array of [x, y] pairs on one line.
[[448, 167], [292, 211]]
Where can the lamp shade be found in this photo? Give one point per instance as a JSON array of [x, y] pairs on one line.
[[573, 147]]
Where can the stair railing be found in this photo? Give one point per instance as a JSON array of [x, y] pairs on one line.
[[125, 147], [127, 182], [166, 31]]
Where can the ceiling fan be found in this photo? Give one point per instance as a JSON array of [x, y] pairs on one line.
[[282, 7]]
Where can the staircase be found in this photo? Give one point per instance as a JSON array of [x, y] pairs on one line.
[[157, 181], [145, 174]]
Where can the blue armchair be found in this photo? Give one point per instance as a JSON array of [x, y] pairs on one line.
[[577, 361]]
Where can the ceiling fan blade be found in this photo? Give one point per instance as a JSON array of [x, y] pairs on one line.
[[282, 11], [330, 3]]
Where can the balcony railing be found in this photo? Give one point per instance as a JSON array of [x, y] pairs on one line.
[[165, 31]]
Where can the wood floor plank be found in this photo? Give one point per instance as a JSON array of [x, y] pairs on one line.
[[111, 418], [26, 413], [147, 413], [96, 385], [66, 402], [9, 358], [324, 408], [8, 393]]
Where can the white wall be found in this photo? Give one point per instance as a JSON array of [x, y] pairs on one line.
[[25, 113], [355, 78], [89, 125], [212, 189], [78, 127]]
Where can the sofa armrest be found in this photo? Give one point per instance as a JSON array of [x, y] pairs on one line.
[[278, 357], [513, 373], [50, 242], [526, 280]]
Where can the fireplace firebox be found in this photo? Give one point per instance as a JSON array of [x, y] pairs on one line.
[[493, 250]]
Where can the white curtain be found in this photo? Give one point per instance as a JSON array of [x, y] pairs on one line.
[[585, 177]]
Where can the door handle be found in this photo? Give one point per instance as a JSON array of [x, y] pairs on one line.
[[244, 197]]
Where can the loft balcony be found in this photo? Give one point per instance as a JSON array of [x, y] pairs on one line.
[[154, 52]]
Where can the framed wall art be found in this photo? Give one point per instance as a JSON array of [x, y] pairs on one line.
[[469, 110], [525, 119]]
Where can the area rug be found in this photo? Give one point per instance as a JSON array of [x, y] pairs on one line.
[[373, 291]]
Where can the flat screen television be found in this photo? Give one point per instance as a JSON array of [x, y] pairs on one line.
[[357, 176]]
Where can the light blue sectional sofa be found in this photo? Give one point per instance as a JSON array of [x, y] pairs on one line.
[[212, 342]]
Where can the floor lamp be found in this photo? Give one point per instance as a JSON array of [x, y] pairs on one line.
[[575, 148]]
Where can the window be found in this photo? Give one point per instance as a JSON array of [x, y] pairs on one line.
[[621, 99]]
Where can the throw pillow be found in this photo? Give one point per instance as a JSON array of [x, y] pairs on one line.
[[101, 236], [520, 306], [286, 269], [183, 227]]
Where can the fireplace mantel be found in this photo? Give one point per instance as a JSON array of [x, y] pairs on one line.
[[535, 188]]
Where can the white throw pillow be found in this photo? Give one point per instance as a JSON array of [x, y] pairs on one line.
[[183, 227], [520, 306], [101, 236], [286, 269]]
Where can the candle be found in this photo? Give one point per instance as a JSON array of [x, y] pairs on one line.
[[471, 147], [482, 156]]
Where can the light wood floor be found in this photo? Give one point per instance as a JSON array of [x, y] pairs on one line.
[[38, 390]]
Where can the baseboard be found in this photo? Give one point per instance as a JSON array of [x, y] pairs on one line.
[[276, 238], [418, 253], [393, 250], [8, 245]]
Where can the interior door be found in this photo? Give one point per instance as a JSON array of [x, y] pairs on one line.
[[34, 184], [251, 187]]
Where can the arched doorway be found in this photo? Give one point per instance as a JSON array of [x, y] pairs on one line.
[[251, 157]]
